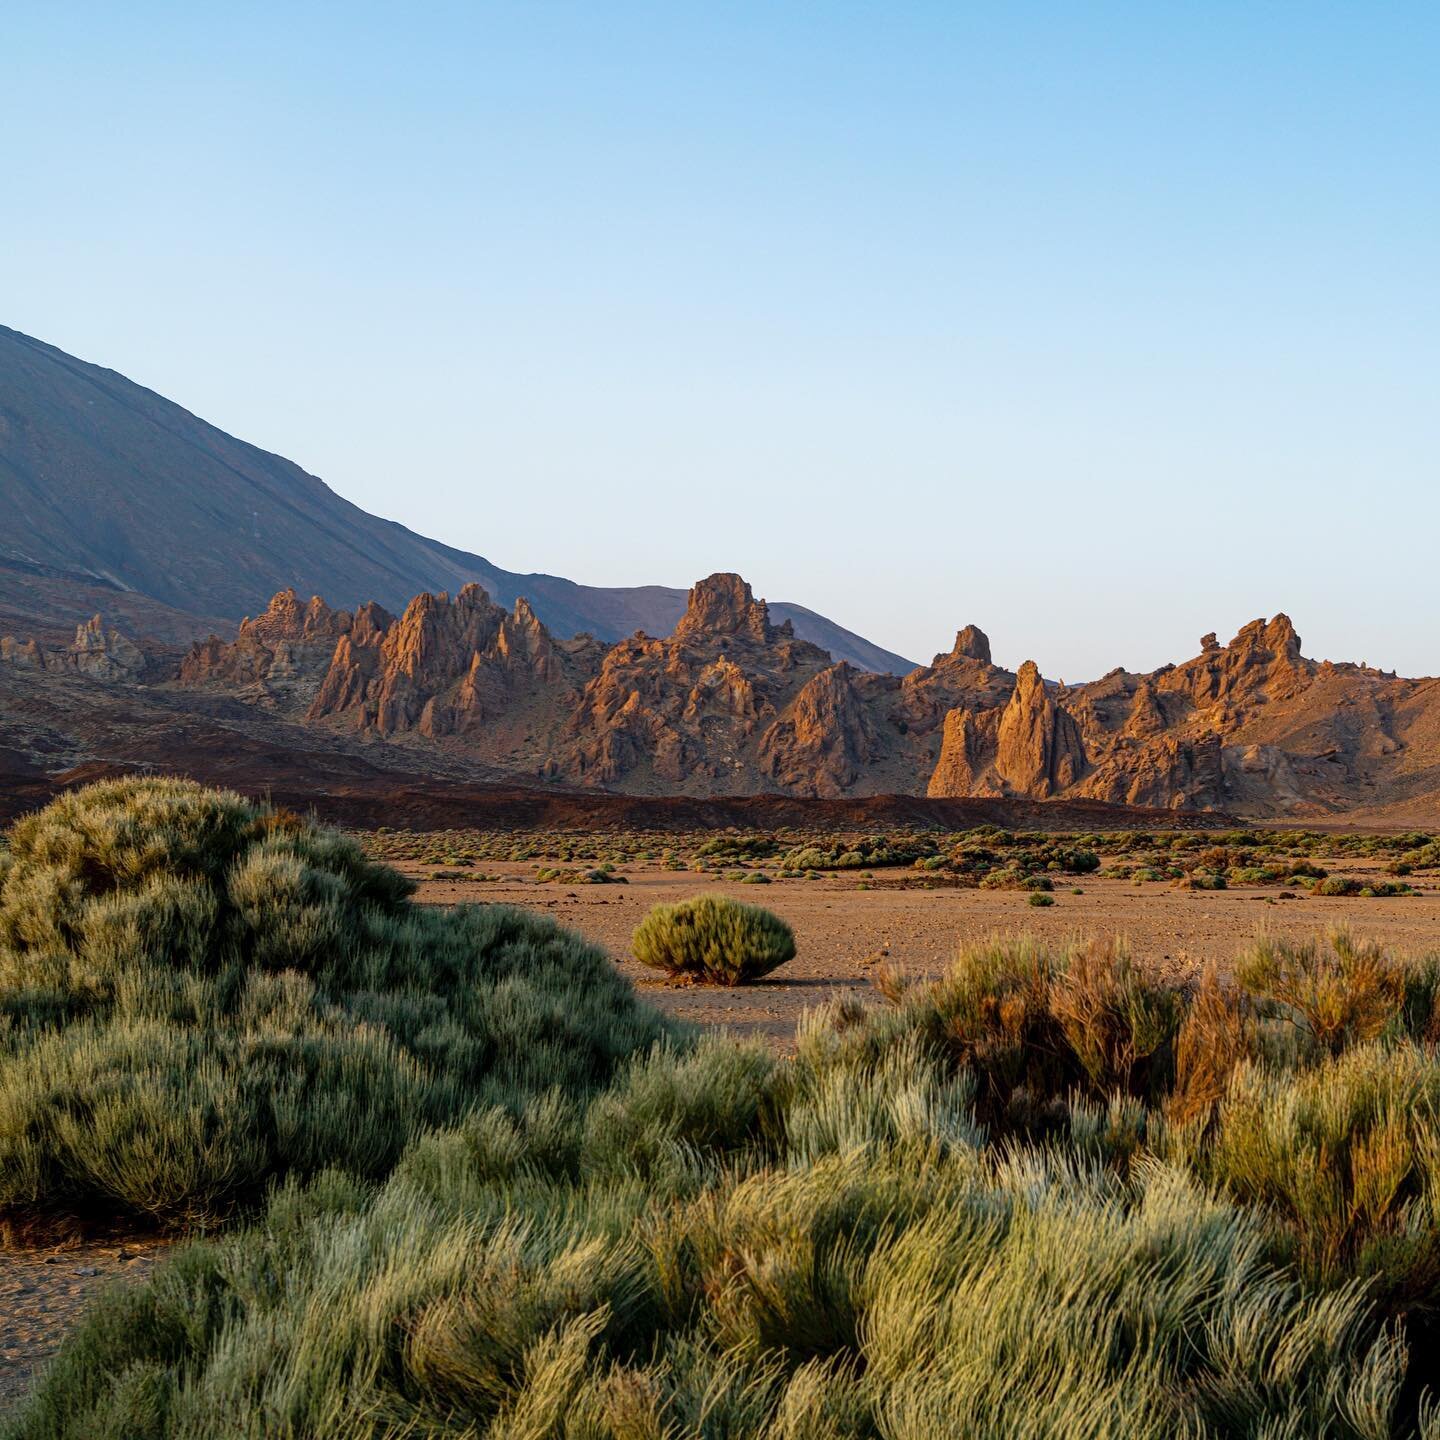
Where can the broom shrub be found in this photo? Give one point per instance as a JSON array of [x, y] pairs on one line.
[[1050, 1194], [714, 940], [199, 995]]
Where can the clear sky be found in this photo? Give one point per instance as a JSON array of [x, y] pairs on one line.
[[1099, 325]]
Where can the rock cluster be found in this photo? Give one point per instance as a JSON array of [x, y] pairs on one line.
[[95, 651], [731, 703], [276, 657]]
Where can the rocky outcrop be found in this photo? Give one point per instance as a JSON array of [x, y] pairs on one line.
[[732, 703], [972, 643], [1031, 747], [279, 657], [100, 653], [722, 606], [688, 712], [1262, 660], [25, 653], [1038, 749], [448, 667]]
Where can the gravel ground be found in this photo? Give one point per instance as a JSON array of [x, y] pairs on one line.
[[43, 1292]]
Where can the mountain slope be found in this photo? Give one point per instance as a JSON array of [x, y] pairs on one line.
[[113, 486]]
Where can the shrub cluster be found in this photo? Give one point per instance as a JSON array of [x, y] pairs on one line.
[[738, 847], [860, 853], [199, 994], [1048, 1195]]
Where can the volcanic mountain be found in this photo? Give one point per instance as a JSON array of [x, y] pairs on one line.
[[117, 500], [131, 526]]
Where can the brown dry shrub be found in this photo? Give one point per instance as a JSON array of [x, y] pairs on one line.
[[1340, 990], [1119, 1022], [1217, 1034]]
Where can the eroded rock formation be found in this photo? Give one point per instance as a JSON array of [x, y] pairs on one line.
[[731, 703], [276, 658], [100, 653]]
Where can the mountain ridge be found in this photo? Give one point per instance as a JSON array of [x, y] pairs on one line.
[[110, 483]]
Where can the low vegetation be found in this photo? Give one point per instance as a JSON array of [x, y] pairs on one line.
[[713, 940], [1052, 1193], [199, 995], [986, 856]]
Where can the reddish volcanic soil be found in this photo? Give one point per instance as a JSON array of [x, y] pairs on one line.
[[842, 932]]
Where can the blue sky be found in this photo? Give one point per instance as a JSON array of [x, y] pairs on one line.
[[1099, 325]]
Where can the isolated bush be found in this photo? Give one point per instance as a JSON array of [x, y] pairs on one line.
[[713, 939], [199, 994]]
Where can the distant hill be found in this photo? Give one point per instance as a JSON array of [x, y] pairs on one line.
[[114, 497]]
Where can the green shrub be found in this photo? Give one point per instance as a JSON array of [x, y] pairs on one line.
[[1039, 898], [1365, 889], [712, 939], [199, 994], [720, 1244], [739, 847], [1348, 1154]]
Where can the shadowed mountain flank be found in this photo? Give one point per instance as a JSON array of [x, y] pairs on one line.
[[111, 487]]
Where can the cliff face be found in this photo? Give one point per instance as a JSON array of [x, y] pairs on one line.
[[732, 703]]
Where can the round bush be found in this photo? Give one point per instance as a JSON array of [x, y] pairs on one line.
[[711, 939]]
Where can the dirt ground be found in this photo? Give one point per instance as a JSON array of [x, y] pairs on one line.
[[842, 932], [44, 1291]]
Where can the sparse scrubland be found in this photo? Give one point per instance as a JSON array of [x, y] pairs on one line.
[[1052, 1193], [987, 856]]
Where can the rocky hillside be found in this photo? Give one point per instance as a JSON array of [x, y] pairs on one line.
[[116, 498], [735, 703]]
